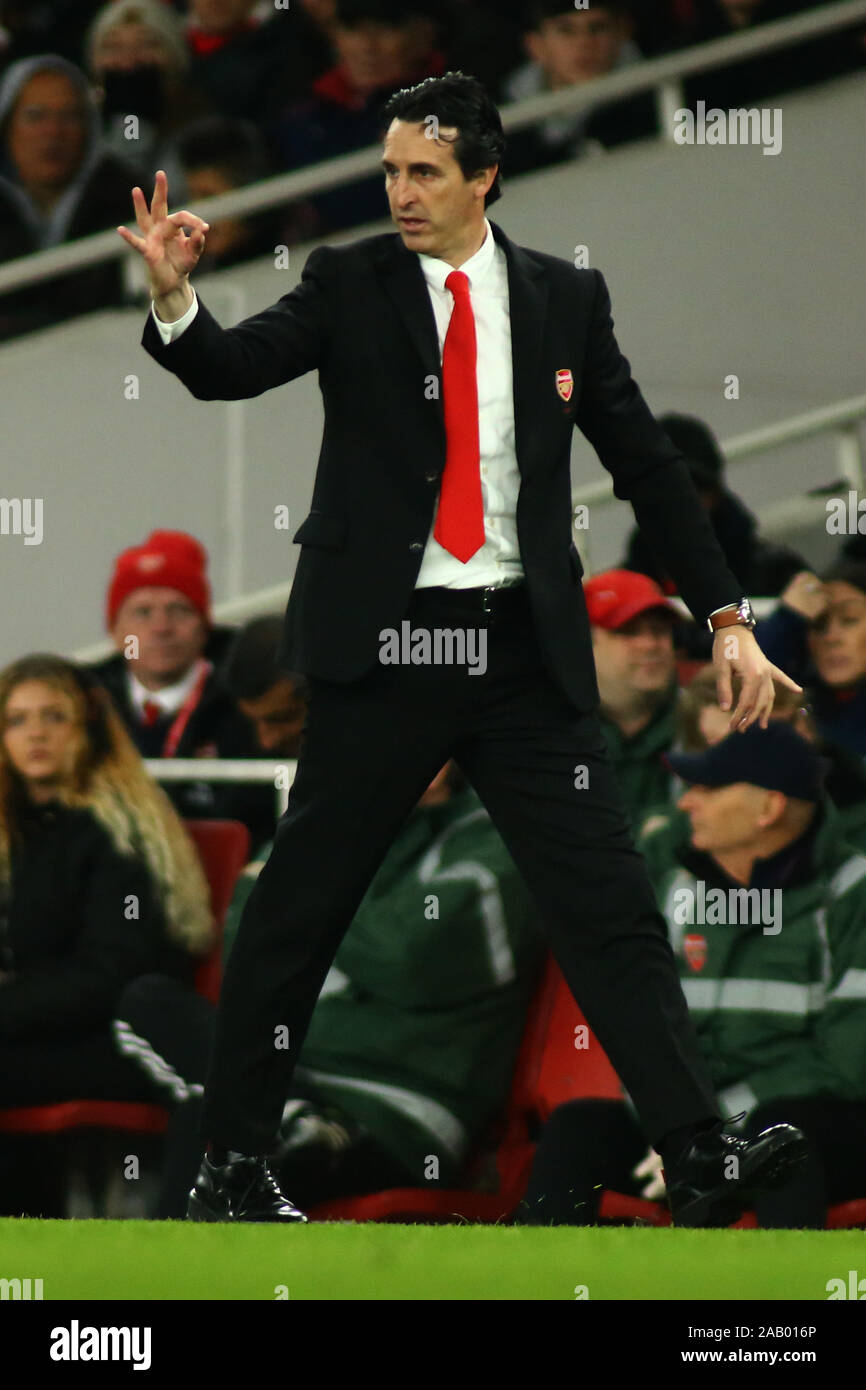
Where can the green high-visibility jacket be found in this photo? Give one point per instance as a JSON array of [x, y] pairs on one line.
[[779, 1002], [416, 1029]]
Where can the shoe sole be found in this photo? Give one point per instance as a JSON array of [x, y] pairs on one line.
[[768, 1171]]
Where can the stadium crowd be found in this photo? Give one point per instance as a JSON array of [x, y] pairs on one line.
[[222, 93], [105, 911]]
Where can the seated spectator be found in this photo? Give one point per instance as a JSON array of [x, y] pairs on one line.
[[413, 1041], [164, 680], [99, 884], [483, 38], [137, 59], [381, 45], [241, 54], [749, 81], [761, 567], [817, 635], [701, 723], [56, 184], [568, 48], [28, 27], [632, 625], [773, 976], [217, 155], [272, 698]]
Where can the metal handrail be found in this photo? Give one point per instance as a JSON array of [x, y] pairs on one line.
[[239, 770], [658, 73], [842, 417]]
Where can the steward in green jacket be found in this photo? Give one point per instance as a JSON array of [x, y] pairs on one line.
[[771, 947], [416, 1029]]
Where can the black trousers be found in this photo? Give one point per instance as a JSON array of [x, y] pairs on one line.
[[588, 1146], [368, 752]]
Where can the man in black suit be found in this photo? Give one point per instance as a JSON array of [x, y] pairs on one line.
[[437, 611]]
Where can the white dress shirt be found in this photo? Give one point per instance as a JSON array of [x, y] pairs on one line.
[[169, 699], [498, 560]]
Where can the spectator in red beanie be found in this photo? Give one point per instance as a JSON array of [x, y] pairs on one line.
[[164, 679]]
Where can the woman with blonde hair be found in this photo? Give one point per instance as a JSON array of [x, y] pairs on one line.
[[99, 886]]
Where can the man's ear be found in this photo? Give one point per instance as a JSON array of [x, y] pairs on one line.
[[774, 808]]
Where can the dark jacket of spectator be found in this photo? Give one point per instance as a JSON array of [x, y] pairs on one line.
[[65, 938], [216, 729], [96, 197]]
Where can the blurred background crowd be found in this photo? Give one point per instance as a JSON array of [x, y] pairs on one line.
[[223, 93]]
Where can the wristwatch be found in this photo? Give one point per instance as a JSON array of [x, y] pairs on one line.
[[736, 615]]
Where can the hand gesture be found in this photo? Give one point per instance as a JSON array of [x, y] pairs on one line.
[[168, 253], [735, 649], [651, 1167]]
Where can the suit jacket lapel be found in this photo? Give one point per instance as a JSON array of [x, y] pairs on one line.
[[403, 280]]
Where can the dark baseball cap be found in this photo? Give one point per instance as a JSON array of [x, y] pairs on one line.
[[777, 758]]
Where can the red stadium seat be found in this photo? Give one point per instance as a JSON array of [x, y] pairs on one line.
[[223, 847], [550, 1070]]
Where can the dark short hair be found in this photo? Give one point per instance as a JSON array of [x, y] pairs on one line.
[[251, 668], [537, 11], [230, 144], [456, 99], [394, 12]]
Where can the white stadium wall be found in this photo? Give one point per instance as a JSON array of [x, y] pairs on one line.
[[719, 260]]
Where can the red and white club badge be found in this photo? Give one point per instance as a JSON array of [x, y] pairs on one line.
[[564, 383], [695, 948]]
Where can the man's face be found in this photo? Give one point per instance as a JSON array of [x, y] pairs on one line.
[[216, 16], [577, 47], [639, 656], [47, 131], [129, 46], [425, 184], [726, 818], [837, 640], [171, 633], [278, 718], [377, 56], [227, 232]]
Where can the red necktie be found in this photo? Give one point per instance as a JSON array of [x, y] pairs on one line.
[[460, 519], [152, 712]]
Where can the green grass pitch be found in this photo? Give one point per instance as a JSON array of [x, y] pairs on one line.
[[344, 1260]]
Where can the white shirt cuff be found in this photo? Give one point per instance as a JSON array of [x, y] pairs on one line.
[[169, 331]]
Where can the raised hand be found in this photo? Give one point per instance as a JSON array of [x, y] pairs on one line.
[[169, 254]]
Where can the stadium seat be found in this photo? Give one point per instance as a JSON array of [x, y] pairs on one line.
[[556, 1063], [553, 1065], [223, 847]]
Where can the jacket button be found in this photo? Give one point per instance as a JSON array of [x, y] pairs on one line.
[[432, 477], [416, 545]]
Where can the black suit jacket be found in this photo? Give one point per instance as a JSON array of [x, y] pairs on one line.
[[362, 316]]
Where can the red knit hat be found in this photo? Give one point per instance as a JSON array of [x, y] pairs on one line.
[[166, 560]]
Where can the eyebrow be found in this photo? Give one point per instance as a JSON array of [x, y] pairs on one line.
[[419, 164]]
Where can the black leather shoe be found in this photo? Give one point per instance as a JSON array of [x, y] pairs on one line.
[[245, 1190], [706, 1189]]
